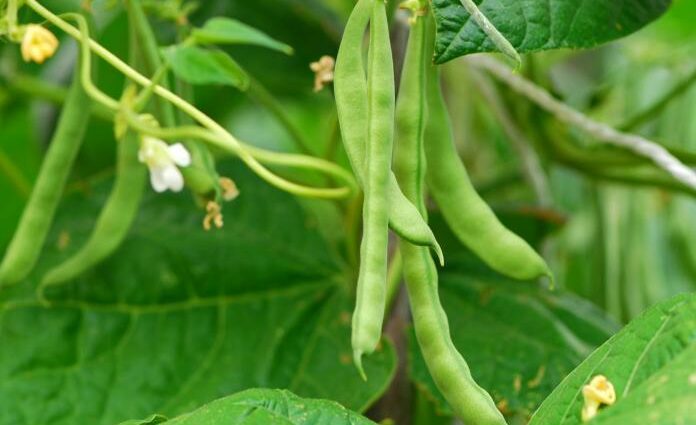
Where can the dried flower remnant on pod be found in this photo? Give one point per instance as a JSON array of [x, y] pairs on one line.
[[230, 191], [213, 216]]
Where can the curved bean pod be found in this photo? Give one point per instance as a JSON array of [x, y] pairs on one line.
[[372, 278], [469, 217], [448, 368], [115, 218], [29, 239], [351, 103]]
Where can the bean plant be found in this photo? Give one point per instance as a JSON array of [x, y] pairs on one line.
[[347, 212]]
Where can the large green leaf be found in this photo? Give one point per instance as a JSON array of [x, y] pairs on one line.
[[520, 340], [265, 407], [651, 365], [180, 317], [534, 25], [202, 66]]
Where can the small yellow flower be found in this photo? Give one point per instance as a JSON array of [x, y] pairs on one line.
[[600, 391], [38, 44], [323, 72]]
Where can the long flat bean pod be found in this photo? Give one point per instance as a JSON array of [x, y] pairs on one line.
[[469, 216], [449, 370], [351, 102], [29, 239], [372, 277]]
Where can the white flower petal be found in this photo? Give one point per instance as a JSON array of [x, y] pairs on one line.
[[174, 178], [158, 179], [179, 155]]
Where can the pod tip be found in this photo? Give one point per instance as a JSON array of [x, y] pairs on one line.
[[357, 359], [440, 255]]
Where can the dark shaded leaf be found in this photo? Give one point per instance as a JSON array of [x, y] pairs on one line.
[[535, 25]]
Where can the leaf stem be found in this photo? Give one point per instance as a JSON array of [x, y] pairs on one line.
[[637, 144], [491, 31]]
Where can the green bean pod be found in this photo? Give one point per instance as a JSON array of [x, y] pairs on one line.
[[352, 106], [469, 216], [28, 241], [372, 278], [115, 218], [449, 370]]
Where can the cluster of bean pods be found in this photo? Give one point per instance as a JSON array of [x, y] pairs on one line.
[[425, 160]]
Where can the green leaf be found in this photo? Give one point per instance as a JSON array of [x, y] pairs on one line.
[[651, 365], [520, 340], [230, 31], [267, 407], [152, 420], [535, 25], [200, 66], [179, 317]]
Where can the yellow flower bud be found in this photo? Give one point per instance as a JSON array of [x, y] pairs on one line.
[[600, 391], [38, 44]]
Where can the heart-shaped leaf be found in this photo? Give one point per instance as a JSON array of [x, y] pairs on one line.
[[652, 365], [534, 25], [199, 66], [230, 31]]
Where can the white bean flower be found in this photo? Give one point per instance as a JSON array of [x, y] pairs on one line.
[[164, 161], [38, 44]]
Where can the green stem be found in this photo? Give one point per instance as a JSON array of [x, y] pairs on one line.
[[223, 139], [260, 155], [498, 39]]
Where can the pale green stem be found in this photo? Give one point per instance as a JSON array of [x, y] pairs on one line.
[[261, 155], [222, 138], [498, 39]]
